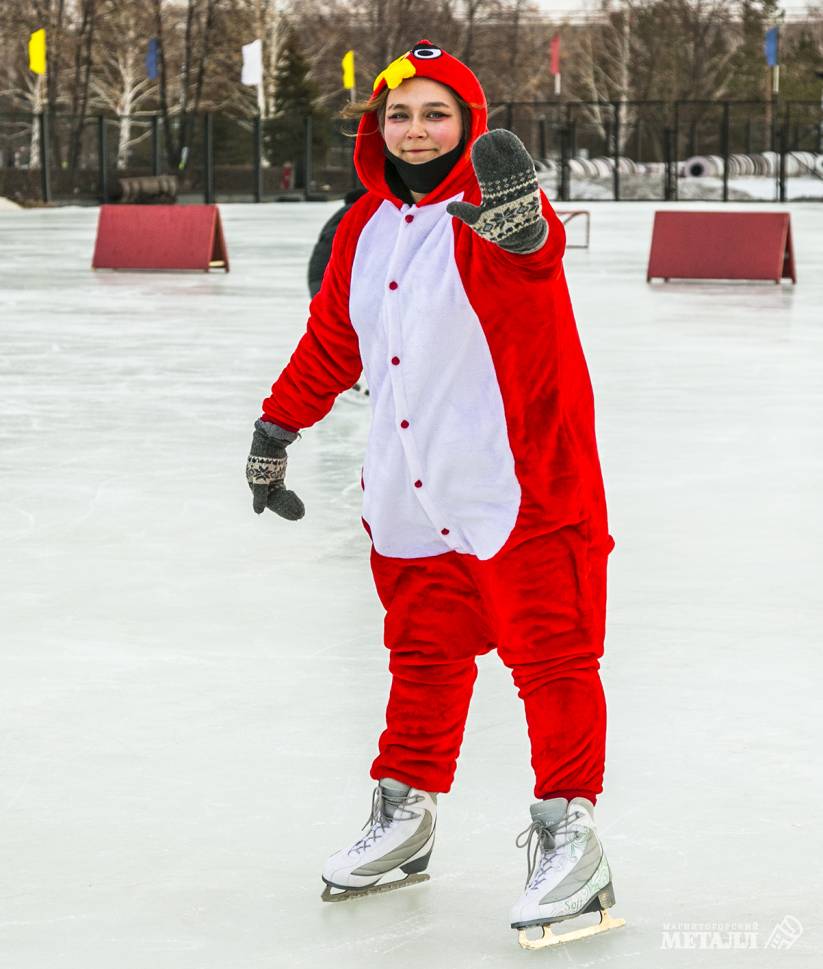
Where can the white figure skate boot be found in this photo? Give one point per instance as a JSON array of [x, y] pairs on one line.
[[567, 873], [399, 840]]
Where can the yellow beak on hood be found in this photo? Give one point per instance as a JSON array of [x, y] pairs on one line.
[[396, 72]]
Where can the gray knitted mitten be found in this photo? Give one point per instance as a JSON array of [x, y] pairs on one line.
[[266, 472], [509, 214]]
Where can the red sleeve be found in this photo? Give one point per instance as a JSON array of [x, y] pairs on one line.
[[327, 359]]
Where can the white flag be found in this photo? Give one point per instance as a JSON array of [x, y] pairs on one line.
[[252, 62]]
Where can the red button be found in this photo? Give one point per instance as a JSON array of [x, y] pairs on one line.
[[395, 360], [444, 531], [392, 285], [409, 218], [404, 424], [418, 484]]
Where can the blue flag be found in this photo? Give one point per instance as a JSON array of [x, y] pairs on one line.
[[770, 46], [151, 60]]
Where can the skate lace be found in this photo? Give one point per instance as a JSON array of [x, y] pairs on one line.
[[378, 822], [541, 842]]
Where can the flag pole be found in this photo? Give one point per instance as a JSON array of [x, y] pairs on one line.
[[554, 67]]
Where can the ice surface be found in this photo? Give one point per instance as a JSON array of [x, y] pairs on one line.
[[190, 696]]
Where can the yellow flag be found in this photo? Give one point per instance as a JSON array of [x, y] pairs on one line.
[[348, 70], [37, 52]]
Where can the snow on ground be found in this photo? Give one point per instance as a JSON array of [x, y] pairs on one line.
[[751, 188], [190, 696]]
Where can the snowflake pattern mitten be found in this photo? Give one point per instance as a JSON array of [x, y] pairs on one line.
[[510, 214], [266, 472]]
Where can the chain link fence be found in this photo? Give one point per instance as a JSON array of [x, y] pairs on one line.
[[629, 150]]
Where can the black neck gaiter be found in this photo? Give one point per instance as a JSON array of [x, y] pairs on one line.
[[404, 178]]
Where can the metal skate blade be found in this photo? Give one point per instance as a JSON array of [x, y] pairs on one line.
[[344, 894], [549, 938]]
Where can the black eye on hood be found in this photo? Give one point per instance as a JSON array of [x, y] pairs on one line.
[[426, 53]]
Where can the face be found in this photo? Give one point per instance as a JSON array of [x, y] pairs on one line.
[[422, 120]]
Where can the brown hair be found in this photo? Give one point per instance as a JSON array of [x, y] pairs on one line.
[[356, 109]]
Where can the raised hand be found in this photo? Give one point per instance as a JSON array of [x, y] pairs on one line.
[[509, 214]]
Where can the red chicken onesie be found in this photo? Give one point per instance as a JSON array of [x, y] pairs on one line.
[[483, 493]]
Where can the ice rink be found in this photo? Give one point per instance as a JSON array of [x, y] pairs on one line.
[[190, 695]]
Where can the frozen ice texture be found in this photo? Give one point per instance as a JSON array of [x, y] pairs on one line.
[[182, 681]]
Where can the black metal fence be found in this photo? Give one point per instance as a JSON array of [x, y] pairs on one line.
[[653, 150], [64, 159]]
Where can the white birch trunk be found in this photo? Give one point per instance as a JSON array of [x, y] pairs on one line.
[[269, 28], [36, 108], [625, 80], [125, 108]]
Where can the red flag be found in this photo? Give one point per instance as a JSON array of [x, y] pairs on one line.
[[555, 49]]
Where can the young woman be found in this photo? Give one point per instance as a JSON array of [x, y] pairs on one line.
[[483, 494]]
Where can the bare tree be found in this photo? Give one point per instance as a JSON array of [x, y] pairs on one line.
[[53, 12], [270, 25], [238, 22], [120, 85], [637, 50], [624, 52], [472, 11], [181, 91], [21, 89], [83, 53]]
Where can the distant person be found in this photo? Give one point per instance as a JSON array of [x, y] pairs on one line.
[[322, 248], [319, 260]]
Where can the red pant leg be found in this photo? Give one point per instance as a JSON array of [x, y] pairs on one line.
[[549, 594], [434, 629]]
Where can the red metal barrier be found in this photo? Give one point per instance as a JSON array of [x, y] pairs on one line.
[[722, 245], [160, 237]]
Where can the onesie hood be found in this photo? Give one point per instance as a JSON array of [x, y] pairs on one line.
[[423, 60]]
